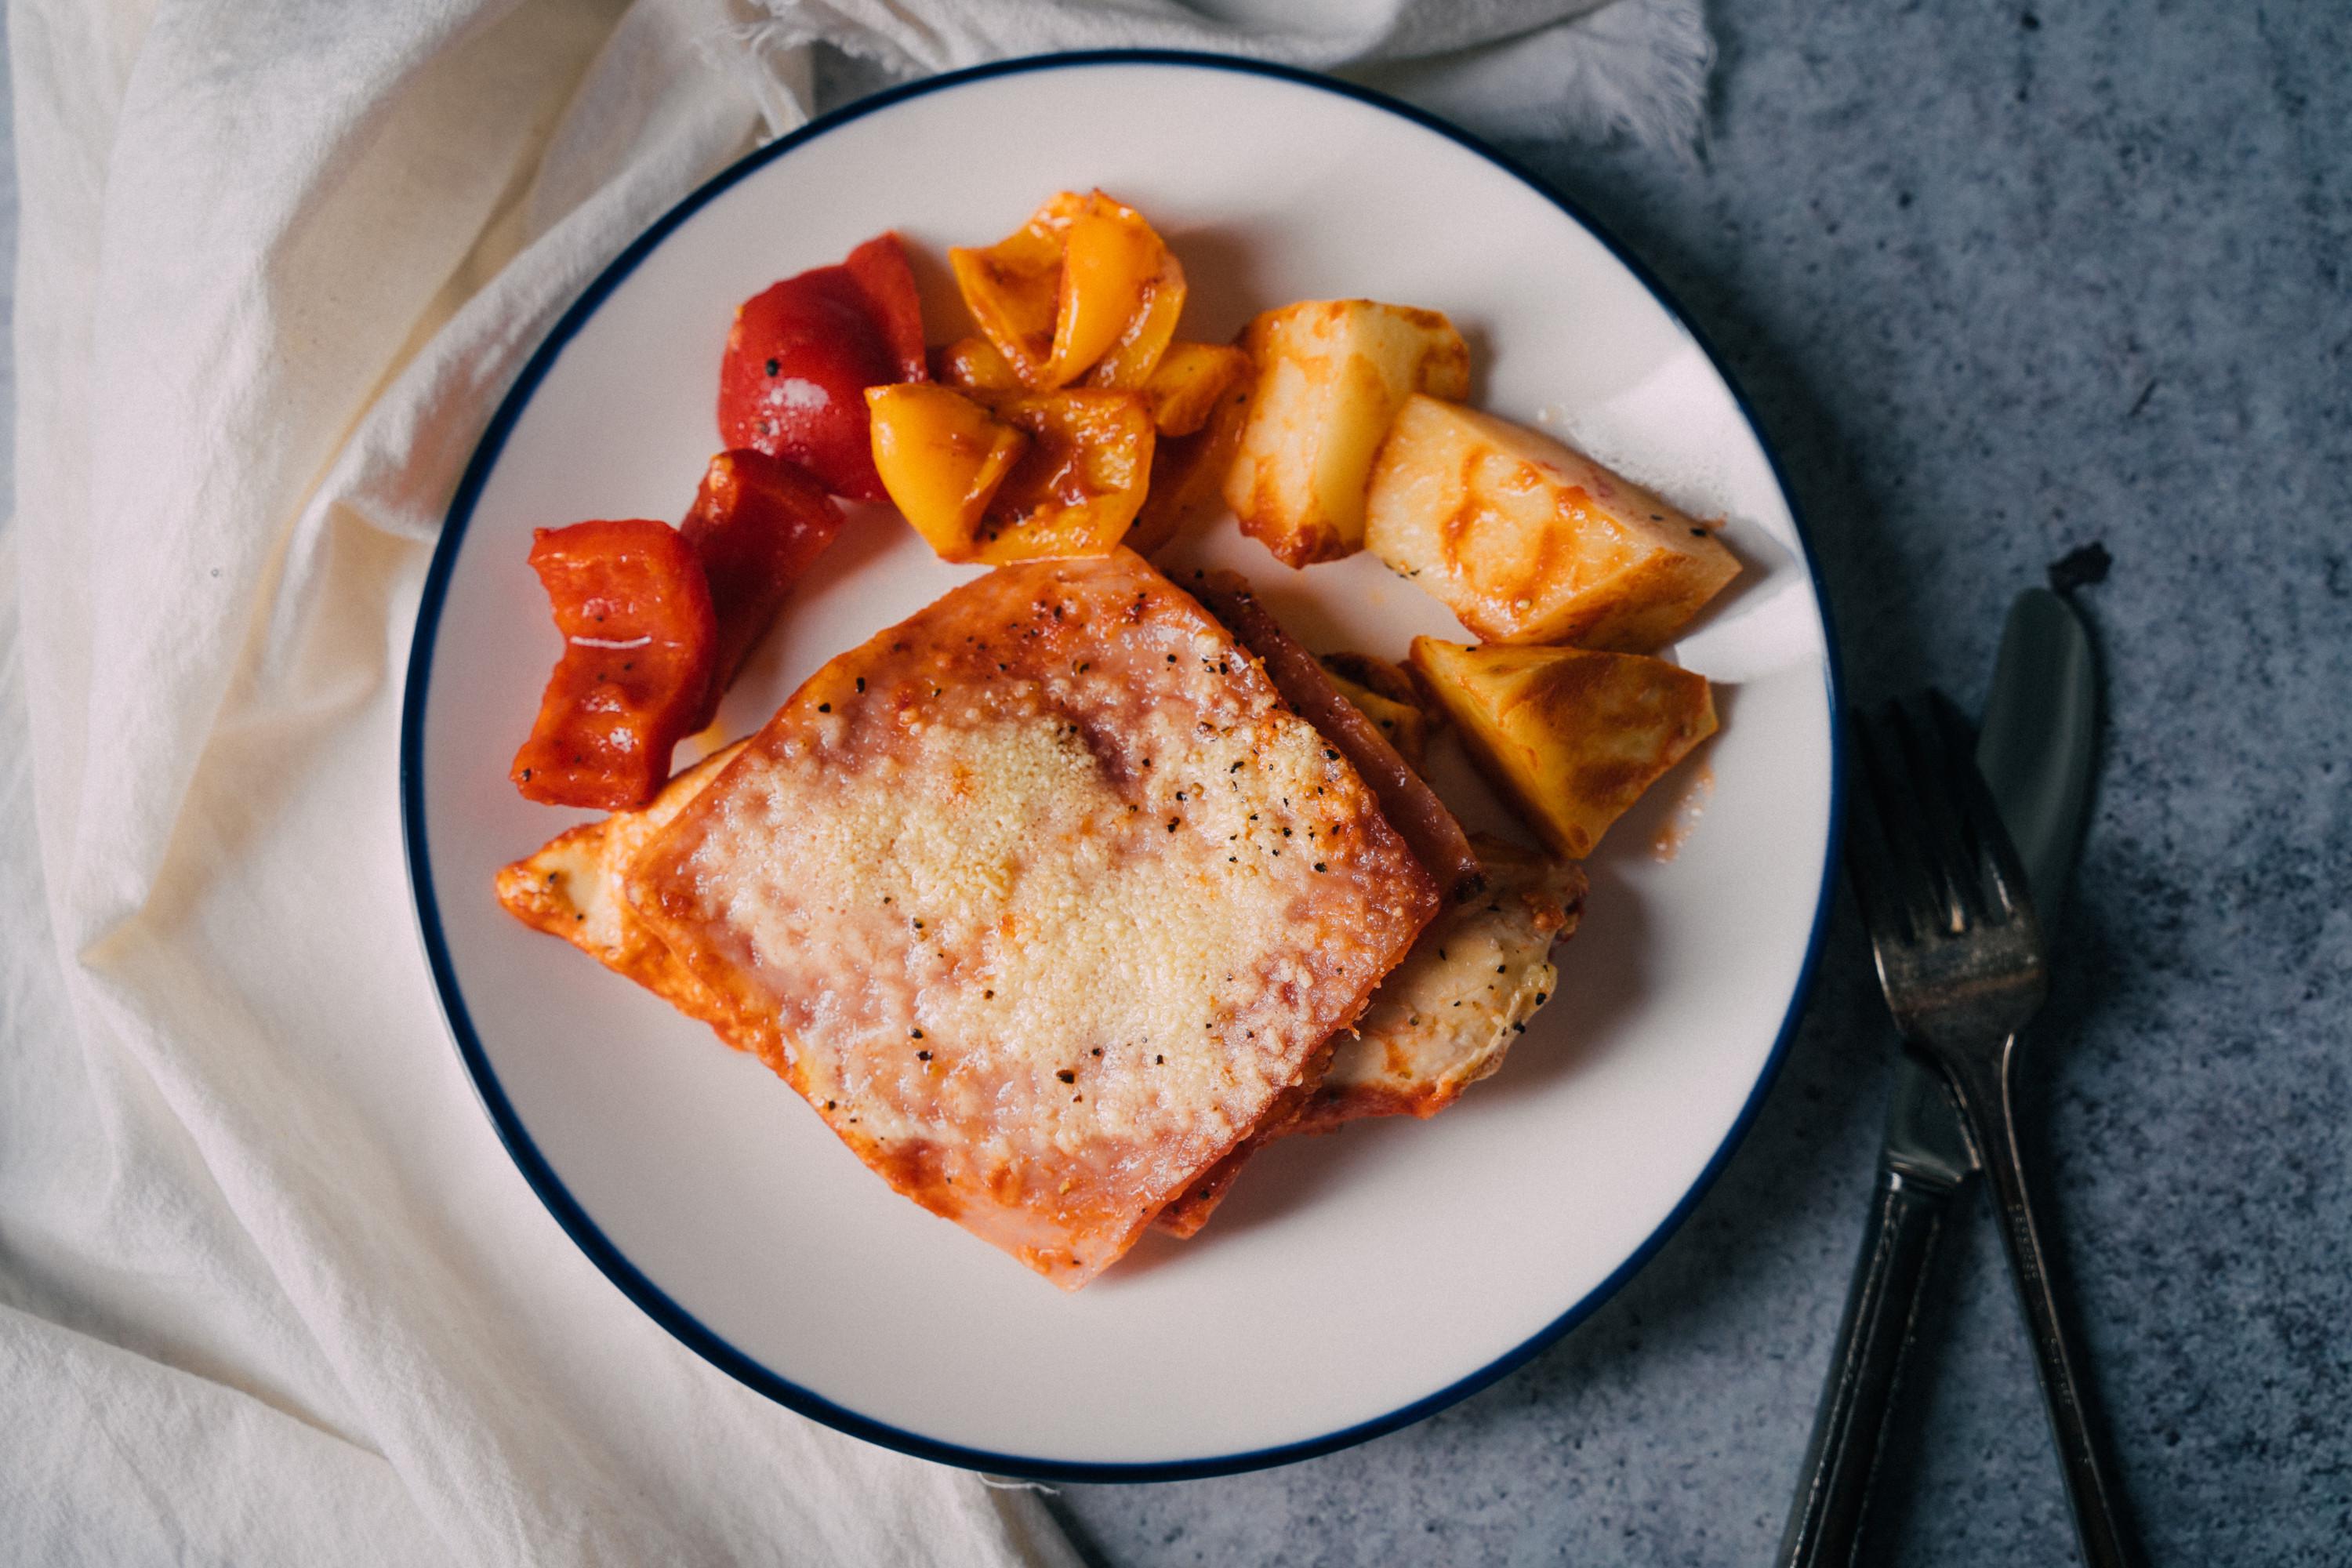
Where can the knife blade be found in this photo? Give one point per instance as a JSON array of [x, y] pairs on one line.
[[2036, 749], [2036, 744]]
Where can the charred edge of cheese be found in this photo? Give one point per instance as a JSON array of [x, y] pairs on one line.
[[1443, 1019], [1052, 899], [1191, 1209]]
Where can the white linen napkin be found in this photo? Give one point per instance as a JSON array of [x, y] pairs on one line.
[[269, 1289]]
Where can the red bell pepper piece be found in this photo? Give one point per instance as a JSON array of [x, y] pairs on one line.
[[758, 521], [802, 353], [640, 644], [888, 283]]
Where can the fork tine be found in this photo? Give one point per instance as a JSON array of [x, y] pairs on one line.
[[1904, 884], [1934, 764], [2000, 876]]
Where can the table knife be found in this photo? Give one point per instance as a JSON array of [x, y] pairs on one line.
[[2036, 749]]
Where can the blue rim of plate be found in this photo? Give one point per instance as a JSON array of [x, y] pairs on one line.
[[575, 1220]]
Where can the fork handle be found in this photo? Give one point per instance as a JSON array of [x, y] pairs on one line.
[[1983, 1084], [1882, 1308]]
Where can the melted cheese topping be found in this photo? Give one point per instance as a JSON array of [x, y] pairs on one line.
[[1049, 897]]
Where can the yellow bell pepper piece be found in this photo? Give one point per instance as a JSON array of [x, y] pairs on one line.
[[942, 457], [1080, 483], [1084, 286]]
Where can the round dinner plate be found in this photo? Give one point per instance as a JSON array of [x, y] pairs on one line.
[[1351, 1283]]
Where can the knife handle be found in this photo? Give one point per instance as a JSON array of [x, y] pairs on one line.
[[1882, 1307]]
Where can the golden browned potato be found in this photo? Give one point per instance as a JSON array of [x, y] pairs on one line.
[[1187, 384], [1527, 542], [1383, 693], [1331, 373], [1188, 471], [1387, 677], [1572, 737]]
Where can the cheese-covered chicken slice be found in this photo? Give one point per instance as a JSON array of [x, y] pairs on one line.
[[1050, 899], [1442, 1020], [1447, 1015]]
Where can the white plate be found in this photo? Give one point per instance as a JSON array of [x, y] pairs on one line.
[[1351, 1283]]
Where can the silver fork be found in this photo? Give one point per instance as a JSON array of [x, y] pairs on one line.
[[1960, 959]]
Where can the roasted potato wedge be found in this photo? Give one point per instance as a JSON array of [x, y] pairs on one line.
[[1529, 542], [1404, 722], [1331, 373], [1573, 737], [1190, 380], [1385, 677], [1188, 472], [942, 457]]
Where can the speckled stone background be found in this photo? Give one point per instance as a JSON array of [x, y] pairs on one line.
[[2000, 283]]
